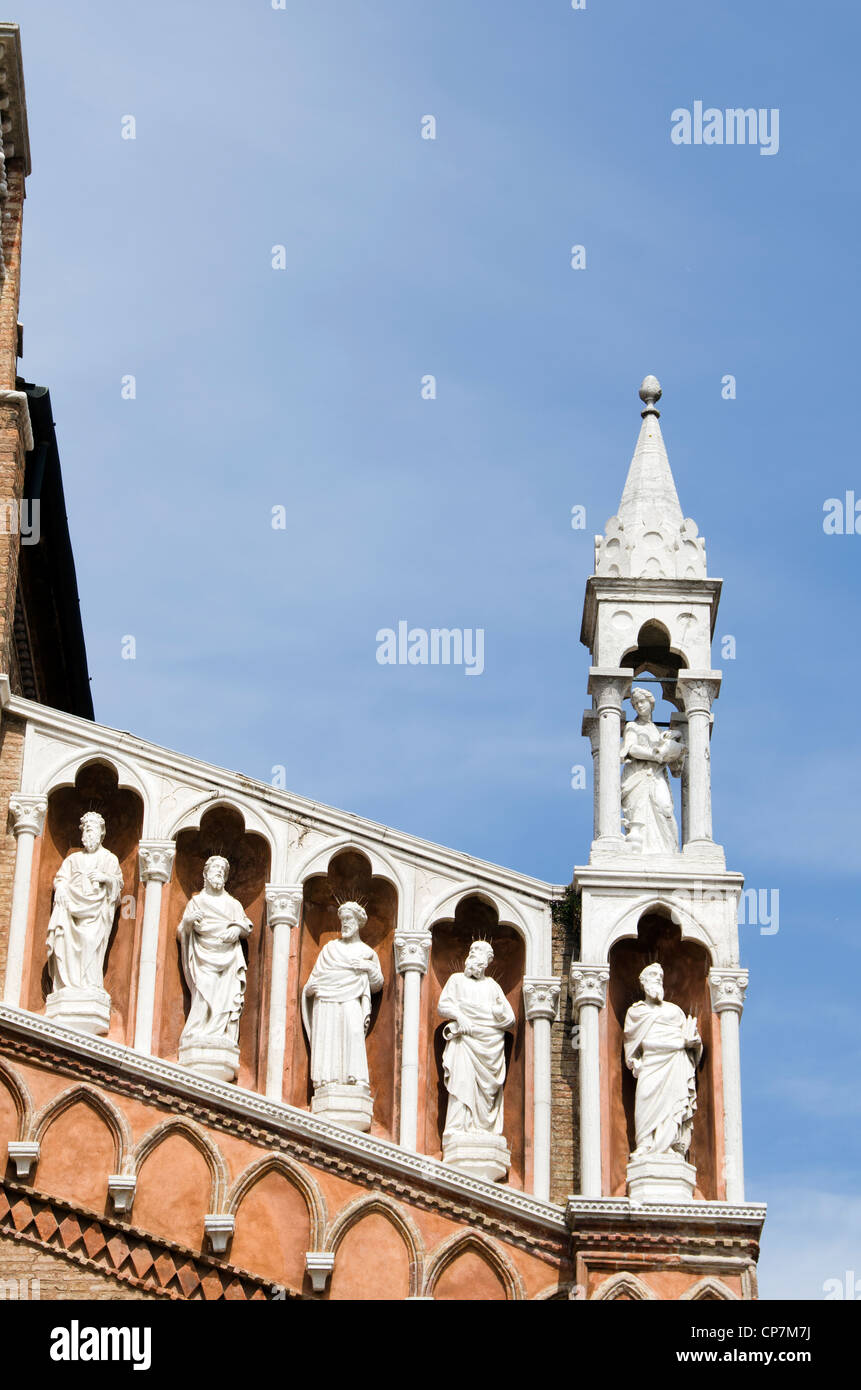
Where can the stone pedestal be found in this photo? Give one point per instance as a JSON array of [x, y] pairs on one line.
[[217, 1058], [483, 1155], [661, 1178], [87, 1010], [352, 1106]]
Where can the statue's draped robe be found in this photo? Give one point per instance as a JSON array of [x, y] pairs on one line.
[[336, 1007], [79, 927], [647, 802], [666, 1095], [474, 1064], [215, 969]]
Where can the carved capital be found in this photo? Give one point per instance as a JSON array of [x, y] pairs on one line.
[[155, 858], [698, 693], [588, 984], [28, 813], [412, 951], [728, 988], [609, 689], [541, 997], [283, 904]]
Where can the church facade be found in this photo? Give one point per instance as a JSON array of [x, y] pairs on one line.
[[253, 1047]]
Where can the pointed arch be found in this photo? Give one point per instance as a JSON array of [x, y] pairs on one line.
[[378, 1204], [382, 865], [212, 1155], [65, 772], [568, 1291], [384, 1206], [678, 912], [21, 1098], [253, 822], [709, 1287], [479, 1244], [624, 1283], [114, 1118], [295, 1174]]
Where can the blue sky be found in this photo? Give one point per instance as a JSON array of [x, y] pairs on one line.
[[258, 388]]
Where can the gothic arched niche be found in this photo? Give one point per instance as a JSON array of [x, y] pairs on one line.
[[686, 965], [475, 918], [174, 1190], [349, 878], [273, 1229], [96, 789], [221, 831], [372, 1262], [79, 1129], [653, 652]]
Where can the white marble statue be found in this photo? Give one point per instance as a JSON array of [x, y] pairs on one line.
[[210, 934], [336, 1008], [647, 802], [662, 1049], [473, 1063], [87, 887]]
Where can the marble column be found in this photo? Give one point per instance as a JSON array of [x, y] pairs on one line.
[[155, 862], [588, 985], [590, 729], [728, 989], [283, 909], [412, 953], [541, 1005], [697, 692], [608, 689], [28, 820]]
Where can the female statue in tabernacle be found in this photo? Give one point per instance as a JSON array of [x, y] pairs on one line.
[[647, 802]]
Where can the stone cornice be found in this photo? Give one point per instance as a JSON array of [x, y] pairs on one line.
[[19, 402], [634, 590], [580, 1211], [16, 138], [422, 853], [334, 1144], [679, 873]]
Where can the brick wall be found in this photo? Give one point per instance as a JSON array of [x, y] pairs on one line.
[[11, 757], [564, 1070], [58, 1277]]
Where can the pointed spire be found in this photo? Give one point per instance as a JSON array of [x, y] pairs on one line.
[[650, 494], [650, 537]]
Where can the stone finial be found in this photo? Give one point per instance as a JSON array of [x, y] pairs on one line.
[[650, 393]]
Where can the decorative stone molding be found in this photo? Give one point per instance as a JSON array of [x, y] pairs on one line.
[[727, 988], [588, 984], [135, 1258], [412, 951], [319, 1264], [121, 1190], [621, 1209], [28, 813], [155, 859], [219, 1229], [541, 997], [283, 904], [24, 1153]]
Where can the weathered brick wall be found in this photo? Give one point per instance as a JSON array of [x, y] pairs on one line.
[[565, 1115], [9, 294], [58, 1277], [11, 758], [11, 438]]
